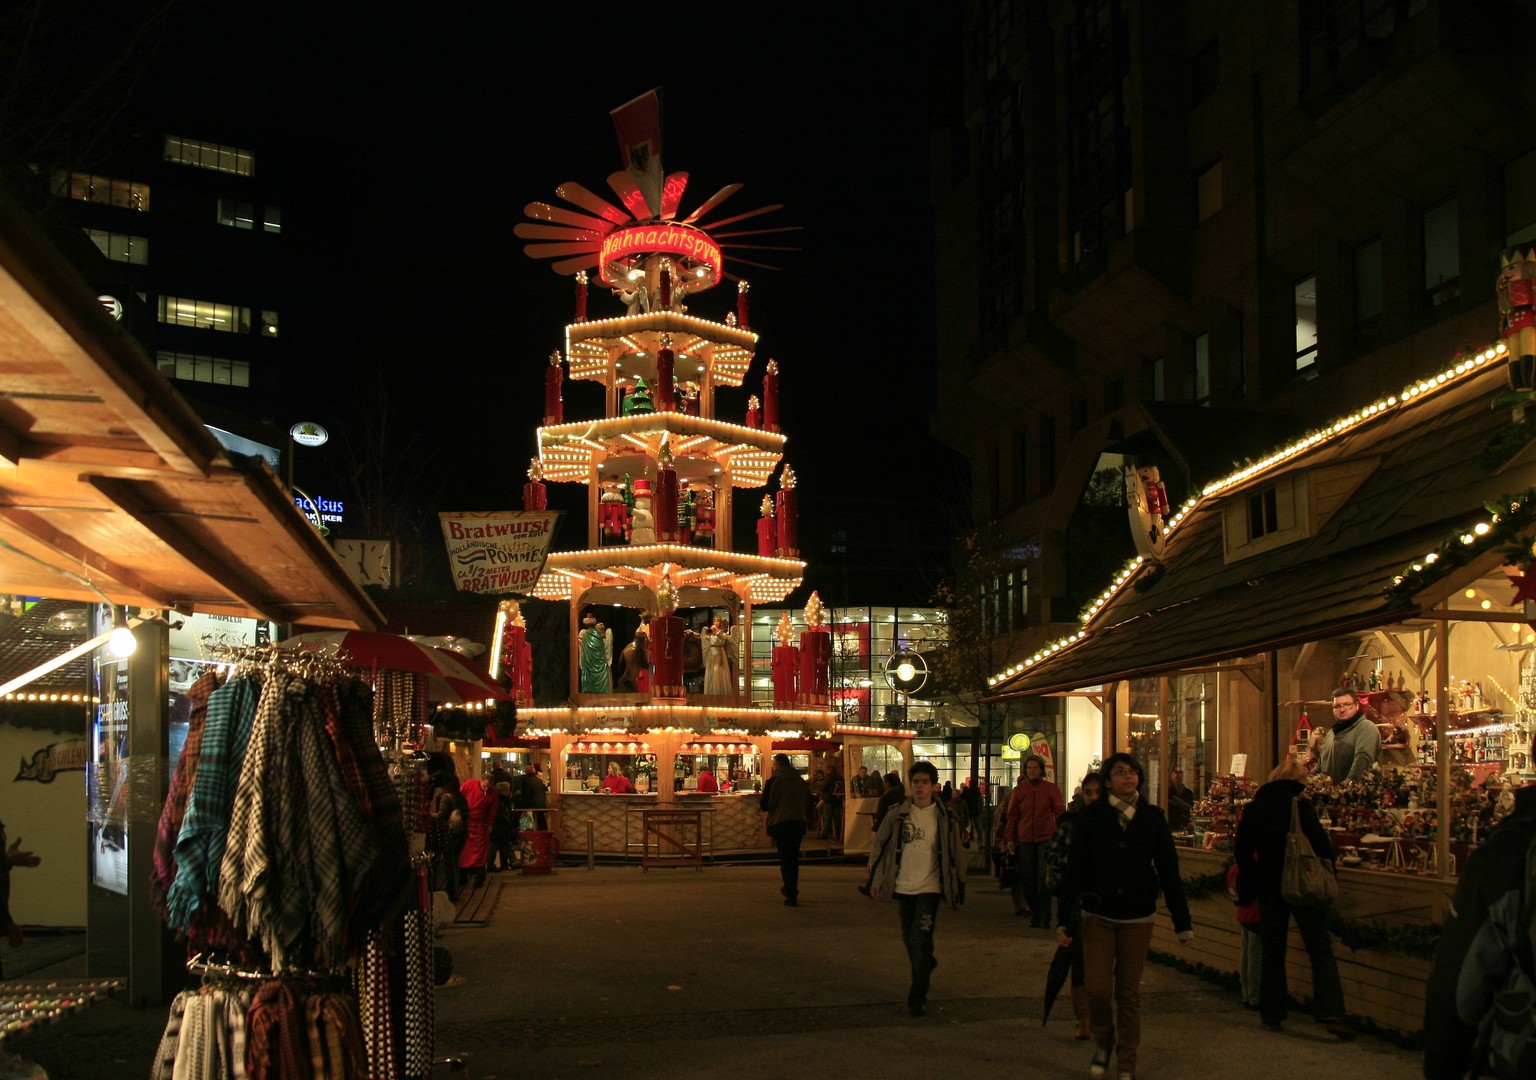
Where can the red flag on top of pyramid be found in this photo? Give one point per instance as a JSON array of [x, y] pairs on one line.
[[638, 124]]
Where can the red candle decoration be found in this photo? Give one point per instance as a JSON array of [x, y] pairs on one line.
[[581, 296], [666, 646], [519, 665], [771, 396], [754, 412], [815, 655], [787, 540], [664, 499], [535, 496], [815, 667], [667, 656], [767, 529], [554, 408], [741, 304], [786, 666], [664, 286], [666, 390]]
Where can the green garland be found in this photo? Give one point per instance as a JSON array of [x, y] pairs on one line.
[[1511, 514], [1198, 888], [1418, 940]]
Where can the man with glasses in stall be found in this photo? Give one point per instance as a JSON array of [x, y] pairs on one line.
[[1352, 745]]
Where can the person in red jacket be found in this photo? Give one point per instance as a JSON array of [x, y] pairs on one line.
[[1032, 811]]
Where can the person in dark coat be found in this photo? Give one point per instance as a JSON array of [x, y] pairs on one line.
[[785, 802], [1484, 949], [894, 793], [1260, 856], [1121, 853]]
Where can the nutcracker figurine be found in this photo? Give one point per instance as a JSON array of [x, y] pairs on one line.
[[612, 514], [1516, 290]]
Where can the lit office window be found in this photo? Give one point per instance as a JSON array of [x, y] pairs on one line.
[[88, 187], [1306, 323], [120, 247], [202, 155], [268, 323], [205, 369], [206, 314], [271, 219], [236, 213]]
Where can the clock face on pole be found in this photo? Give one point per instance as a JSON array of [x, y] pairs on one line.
[[1147, 527], [369, 562]]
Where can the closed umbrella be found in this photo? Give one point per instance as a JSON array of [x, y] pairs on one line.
[[450, 677], [1056, 978]]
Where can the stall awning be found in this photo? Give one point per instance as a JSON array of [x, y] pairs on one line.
[[1379, 497], [111, 487]]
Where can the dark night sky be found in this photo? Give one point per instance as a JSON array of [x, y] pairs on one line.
[[432, 127]]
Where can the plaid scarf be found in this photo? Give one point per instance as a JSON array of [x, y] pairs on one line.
[[200, 847], [175, 808]]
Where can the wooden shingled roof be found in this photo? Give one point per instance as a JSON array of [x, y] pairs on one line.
[[1383, 495]]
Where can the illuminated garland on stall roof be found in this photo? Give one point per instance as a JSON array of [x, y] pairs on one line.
[[1463, 365]]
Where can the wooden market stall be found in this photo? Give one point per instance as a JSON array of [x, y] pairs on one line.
[[1372, 555]]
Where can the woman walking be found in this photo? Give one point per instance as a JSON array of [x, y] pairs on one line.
[[1260, 859], [1121, 852]]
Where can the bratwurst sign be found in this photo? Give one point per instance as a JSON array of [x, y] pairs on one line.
[[499, 551]]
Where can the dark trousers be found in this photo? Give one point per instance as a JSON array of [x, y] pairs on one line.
[[1029, 890], [786, 837], [918, 914], [1274, 928]]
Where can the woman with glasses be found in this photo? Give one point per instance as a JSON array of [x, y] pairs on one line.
[[1122, 852]]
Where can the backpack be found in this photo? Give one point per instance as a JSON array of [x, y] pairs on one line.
[[1512, 1033]]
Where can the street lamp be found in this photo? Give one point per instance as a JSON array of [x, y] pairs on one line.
[[907, 672]]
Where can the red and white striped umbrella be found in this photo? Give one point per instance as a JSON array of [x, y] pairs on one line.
[[450, 676]]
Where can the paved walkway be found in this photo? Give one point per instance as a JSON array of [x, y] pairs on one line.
[[687, 974]]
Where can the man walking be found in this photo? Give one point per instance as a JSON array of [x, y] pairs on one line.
[[916, 859], [784, 802]]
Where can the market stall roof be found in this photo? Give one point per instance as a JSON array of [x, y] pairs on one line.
[[110, 486], [1380, 493]]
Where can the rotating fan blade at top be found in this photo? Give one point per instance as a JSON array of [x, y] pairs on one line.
[[743, 217], [672, 193], [542, 211], [553, 232], [713, 201], [577, 195], [630, 195]]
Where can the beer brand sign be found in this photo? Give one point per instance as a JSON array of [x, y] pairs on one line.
[[67, 756], [684, 241], [499, 552]]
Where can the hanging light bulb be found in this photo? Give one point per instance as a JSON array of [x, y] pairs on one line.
[[121, 643]]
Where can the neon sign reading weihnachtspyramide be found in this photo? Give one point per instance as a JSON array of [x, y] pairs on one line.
[[670, 239]]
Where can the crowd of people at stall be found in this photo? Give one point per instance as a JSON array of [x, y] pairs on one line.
[[473, 826]]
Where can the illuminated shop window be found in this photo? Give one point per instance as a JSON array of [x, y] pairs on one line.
[[202, 155], [1306, 323], [88, 187], [236, 213], [120, 247], [204, 369], [207, 314]]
